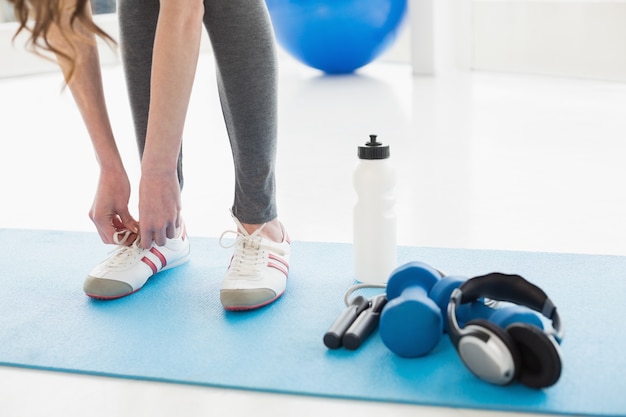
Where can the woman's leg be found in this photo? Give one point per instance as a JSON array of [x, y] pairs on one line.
[[243, 44]]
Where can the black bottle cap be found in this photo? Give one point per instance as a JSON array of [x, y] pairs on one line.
[[373, 150]]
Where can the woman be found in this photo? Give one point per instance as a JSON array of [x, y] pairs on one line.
[[160, 43]]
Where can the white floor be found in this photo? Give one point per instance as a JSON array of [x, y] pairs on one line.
[[484, 160]]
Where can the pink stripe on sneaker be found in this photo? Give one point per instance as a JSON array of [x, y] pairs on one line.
[[150, 264], [279, 267], [281, 260], [159, 255]]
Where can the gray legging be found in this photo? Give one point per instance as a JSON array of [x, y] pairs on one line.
[[243, 44]]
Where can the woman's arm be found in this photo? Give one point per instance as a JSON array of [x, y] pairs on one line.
[[175, 56], [109, 211]]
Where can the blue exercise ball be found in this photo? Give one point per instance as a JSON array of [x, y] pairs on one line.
[[336, 36]]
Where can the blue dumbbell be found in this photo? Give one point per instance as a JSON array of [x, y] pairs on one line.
[[501, 316], [415, 316], [411, 323]]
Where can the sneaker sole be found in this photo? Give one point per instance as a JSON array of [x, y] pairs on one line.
[[245, 300]]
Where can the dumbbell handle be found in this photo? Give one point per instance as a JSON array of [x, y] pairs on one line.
[[472, 311]]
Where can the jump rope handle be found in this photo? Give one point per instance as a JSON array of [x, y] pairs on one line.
[[364, 324], [333, 339]]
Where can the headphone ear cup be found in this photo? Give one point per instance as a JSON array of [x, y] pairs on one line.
[[540, 364], [489, 352]]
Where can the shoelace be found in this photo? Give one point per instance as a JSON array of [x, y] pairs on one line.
[[123, 253], [248, 258], [125, 235]]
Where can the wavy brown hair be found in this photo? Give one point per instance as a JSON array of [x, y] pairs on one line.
[[40, 17]]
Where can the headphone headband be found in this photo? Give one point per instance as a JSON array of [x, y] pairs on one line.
[[513, 288]]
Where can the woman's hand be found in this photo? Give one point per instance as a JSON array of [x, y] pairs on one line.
[[109, 210], [159, 207]]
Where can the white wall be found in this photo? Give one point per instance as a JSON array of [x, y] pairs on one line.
[[579, 38]]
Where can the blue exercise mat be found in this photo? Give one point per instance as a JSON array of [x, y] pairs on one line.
[[175, 329]]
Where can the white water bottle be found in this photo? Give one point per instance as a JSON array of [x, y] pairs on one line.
[[374, 228]]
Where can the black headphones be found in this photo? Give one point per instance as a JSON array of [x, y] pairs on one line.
[[521, 351]]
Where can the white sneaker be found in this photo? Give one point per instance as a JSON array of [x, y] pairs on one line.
[[129, 267], [258, 270]]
